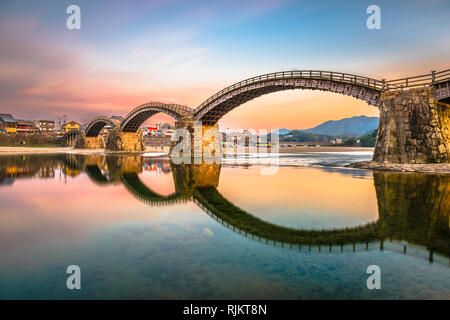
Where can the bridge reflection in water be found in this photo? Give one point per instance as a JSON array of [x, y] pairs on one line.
[[413, 209]]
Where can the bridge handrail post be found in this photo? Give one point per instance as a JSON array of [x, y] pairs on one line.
[[433, 76], [383, 83]]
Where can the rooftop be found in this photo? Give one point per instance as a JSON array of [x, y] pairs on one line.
[[7, 118], [71, 123], [25, 121]]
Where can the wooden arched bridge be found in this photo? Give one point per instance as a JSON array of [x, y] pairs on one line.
[[414, 112], [222, 102]]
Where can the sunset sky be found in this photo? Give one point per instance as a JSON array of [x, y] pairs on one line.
[[131, 52]]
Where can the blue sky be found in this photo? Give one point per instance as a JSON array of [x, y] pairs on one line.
[[128, 53]]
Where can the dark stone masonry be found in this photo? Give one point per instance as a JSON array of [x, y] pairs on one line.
[[414, 128], [120, 141]]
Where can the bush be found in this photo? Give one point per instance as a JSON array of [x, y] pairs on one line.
[[32, 140]]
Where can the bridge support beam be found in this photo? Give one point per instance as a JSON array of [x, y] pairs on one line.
[[119, 141], [414, 128]]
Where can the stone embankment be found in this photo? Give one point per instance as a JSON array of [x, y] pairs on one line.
[[414, 128]]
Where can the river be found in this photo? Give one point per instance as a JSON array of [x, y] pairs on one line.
[[143, 227]]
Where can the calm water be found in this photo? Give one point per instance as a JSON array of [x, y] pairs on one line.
[[140, 227]]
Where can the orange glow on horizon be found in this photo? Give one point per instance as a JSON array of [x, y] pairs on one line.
[[297, 109], [307, 189]]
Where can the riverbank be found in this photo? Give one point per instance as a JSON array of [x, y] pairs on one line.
[[294, 150], [439, 168], [68, 150], [30, 150], [303, 149]]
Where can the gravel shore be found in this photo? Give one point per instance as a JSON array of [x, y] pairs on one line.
[[323, 149], [303, 149], [439, 168]]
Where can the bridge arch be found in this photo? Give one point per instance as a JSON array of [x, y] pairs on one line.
[[138, 115], [136, 187], [97, 124], [71, 137], [217, 206], [215, 107], [71, 133], [96, 175]]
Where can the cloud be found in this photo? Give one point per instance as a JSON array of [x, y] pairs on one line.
[[49, 76], [176, 52]]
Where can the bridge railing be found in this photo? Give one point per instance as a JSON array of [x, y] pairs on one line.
[[302, 74], [157, 104], [185, 108], [419, 81]]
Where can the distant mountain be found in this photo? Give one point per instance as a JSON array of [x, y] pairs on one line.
[[281, 131], [301, 136], [355, 126]]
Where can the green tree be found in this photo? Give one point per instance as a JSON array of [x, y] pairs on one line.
[[350, 142], [369, 139]]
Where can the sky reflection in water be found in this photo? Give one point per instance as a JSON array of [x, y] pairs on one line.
[[159, 244]]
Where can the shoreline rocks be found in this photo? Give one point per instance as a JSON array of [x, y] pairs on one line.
[[434, 168]]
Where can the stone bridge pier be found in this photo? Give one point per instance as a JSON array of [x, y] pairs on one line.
[[84, 142], [414, 128], [203, 141], [121, 141], [188, 177]]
